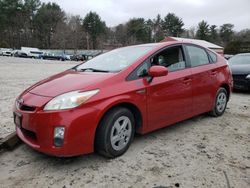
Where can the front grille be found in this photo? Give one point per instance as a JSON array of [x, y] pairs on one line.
[[239, 77], [26, 108], [240, 82]]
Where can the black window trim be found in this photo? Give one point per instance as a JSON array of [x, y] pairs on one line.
[[187, 65], [211, 59]]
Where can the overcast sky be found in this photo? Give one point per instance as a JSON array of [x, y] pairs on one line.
[[114, 12]]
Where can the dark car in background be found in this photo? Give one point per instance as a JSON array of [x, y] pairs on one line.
[[19, 53], [78, 58], [85, 56], [240, 67], [53, 56], [91, 55]]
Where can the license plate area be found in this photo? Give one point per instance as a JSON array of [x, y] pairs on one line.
[[18, 119]]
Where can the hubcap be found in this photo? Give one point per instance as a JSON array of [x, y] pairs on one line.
[[121, 133], [221, 102]]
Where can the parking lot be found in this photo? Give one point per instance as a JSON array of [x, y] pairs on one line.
[[200, 152], [16, 74]]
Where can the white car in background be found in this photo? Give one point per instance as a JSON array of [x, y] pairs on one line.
[[32, 52], [6, 52]]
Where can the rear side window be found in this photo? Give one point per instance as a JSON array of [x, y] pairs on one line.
[[212, 55], [198, 56]]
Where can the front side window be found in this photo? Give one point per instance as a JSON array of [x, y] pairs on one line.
[[172, 58], [198, 56], [142, 69]]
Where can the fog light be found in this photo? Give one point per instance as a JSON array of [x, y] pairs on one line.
[[59, 136]]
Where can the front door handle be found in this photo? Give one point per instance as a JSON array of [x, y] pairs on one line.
[[141, 91], [186, 80], [213, 72]]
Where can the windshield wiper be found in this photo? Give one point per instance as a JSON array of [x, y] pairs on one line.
[[93, 70]]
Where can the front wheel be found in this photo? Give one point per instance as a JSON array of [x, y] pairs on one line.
[[115, 132], [220, 103]]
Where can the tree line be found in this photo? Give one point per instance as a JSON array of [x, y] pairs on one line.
[[46, 26]]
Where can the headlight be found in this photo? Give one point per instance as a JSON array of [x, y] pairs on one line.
[[69, 100], [248, 77]]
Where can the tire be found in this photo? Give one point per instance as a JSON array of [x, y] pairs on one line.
[[220, 103], [117, 125]]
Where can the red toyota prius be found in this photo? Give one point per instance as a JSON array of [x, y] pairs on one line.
[[99, 105]]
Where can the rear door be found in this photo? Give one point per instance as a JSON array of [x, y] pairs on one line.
[[204, 75]]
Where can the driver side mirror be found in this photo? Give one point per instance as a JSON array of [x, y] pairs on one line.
[[157, 71]]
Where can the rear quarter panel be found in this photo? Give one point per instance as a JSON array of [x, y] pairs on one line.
[[224, 76]]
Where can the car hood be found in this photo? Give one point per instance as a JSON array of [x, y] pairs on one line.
[[240, 69], [67, 81]]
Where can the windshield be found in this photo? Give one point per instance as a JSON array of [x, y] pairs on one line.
[[115, 60], [240, 60]]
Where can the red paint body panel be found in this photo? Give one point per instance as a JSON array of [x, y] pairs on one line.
[[162, 102], [67, 81], [79, 128], [158, 71], [169, 99]]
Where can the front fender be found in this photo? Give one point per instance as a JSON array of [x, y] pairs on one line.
[[135, 99]]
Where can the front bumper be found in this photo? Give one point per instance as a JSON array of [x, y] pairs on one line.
[[37, 130]]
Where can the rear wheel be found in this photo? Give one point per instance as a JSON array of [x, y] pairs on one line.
[[115, 132], [220, 102]]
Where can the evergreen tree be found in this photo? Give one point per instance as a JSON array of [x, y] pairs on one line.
[[226, 33], [94, 27], [157, 30], [203, 31], [46, 21], [173, 25], [214, 36]]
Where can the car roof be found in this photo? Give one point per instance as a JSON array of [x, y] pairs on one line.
[[162, 44], [158, 44]]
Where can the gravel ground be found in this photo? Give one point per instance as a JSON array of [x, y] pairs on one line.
[[200, 152], [16, 74]]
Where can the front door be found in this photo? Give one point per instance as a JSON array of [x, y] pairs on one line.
[[169, 98]]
